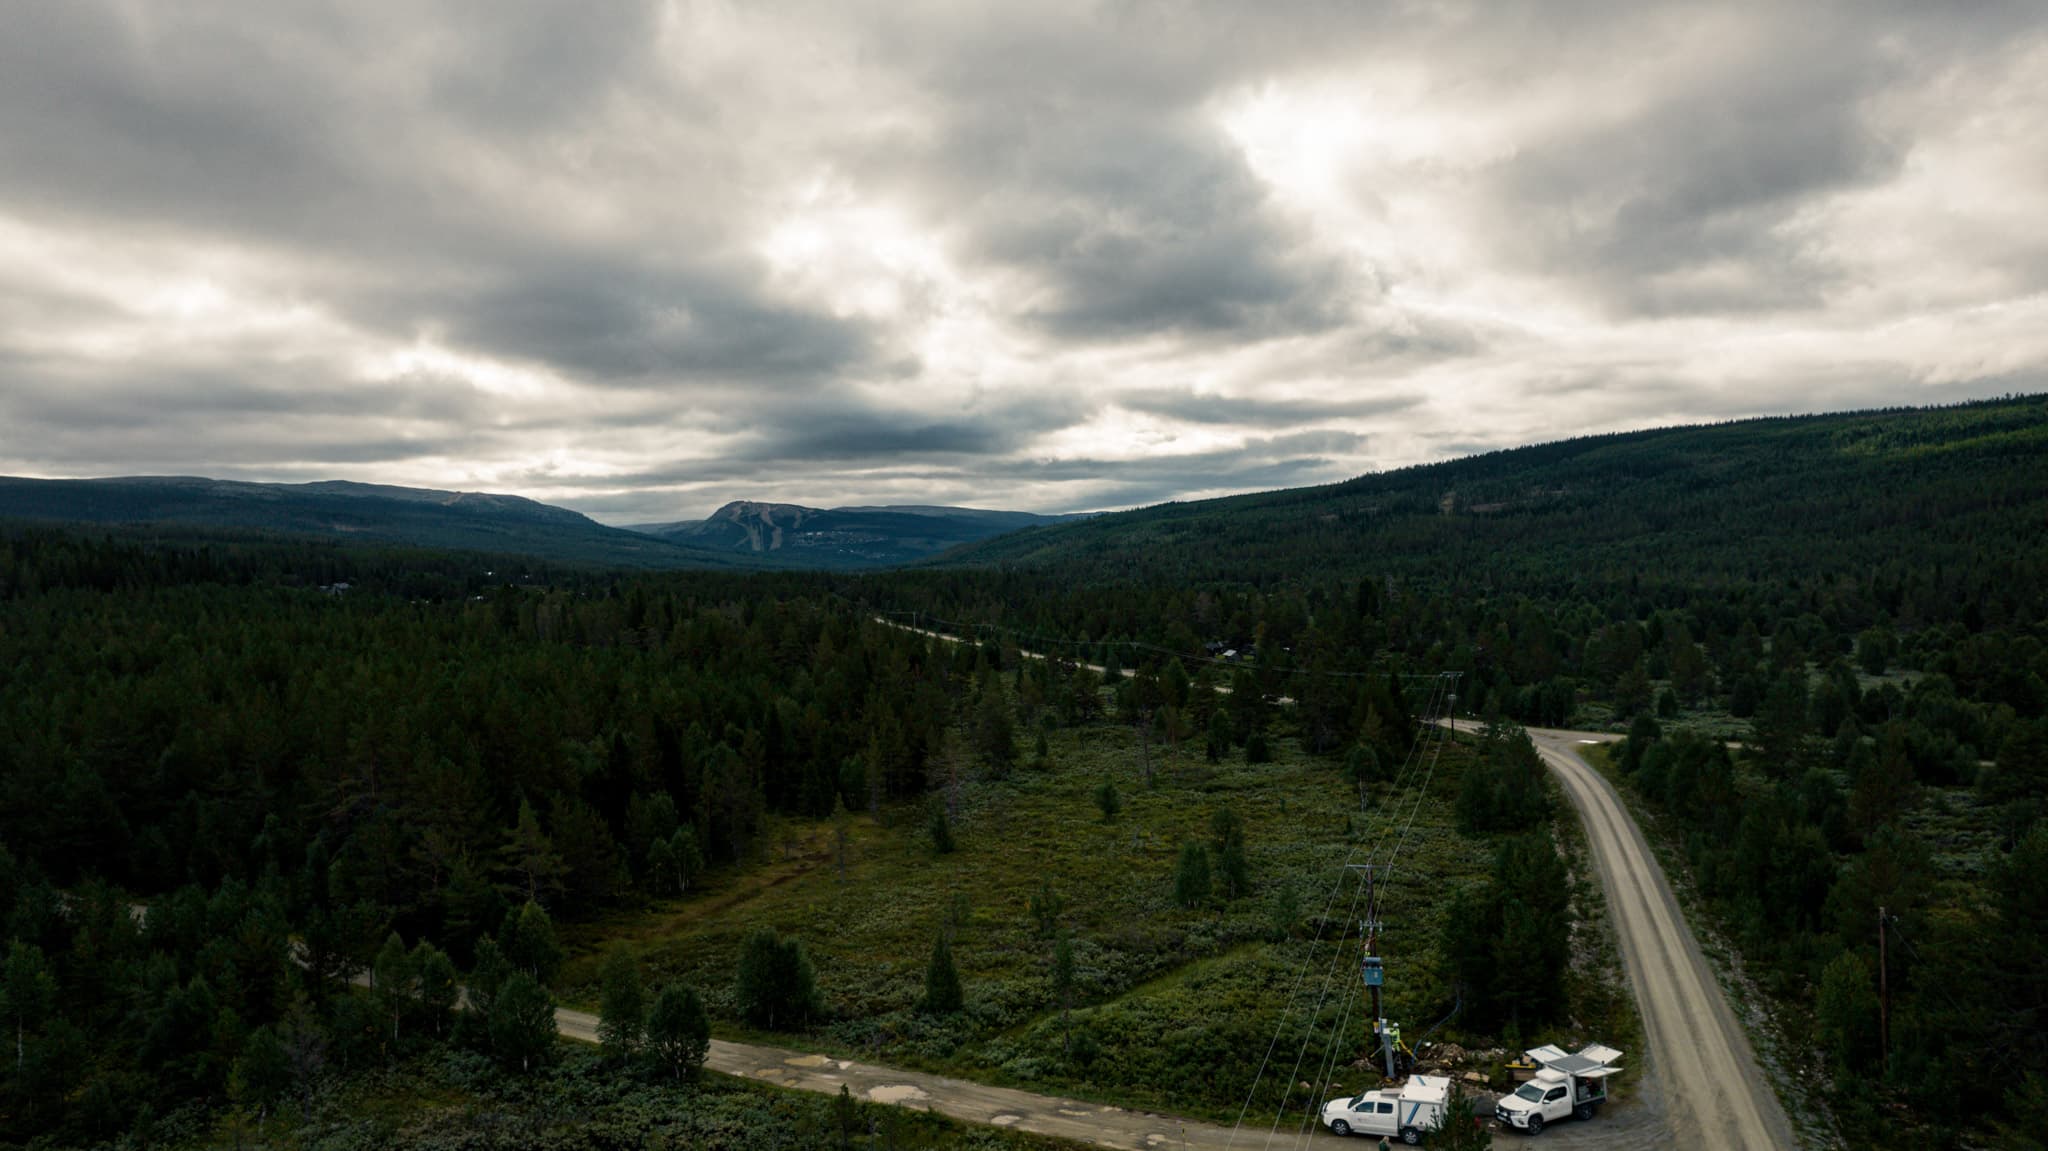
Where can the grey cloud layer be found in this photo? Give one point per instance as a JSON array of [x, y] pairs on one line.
[[643, 257]]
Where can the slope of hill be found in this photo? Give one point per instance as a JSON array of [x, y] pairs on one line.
[[792, 535], [371, 513], [1748, 501]]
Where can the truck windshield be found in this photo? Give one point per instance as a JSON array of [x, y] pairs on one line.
[[1529, 1091]]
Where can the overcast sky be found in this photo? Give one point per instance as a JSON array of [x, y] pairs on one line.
[[640, 259]]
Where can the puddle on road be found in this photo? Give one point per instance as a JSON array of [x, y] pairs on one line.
[[1005, 1120], [897, 1093], [808, 1061]]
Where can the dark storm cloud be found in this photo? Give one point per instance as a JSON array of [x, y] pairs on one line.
[[1692, 205], [869, 437], [1700, 186], [1101, 483], [621, 324], [311, 143], [315, 126], [1138, 230], [1000, 423], [1081, 155]]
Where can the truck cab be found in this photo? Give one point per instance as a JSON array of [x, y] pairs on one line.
[[1565, 1086], [1408, 1113]]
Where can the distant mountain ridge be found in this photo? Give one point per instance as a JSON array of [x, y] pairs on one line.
[[379, 513], [862, 536], [744, 534]]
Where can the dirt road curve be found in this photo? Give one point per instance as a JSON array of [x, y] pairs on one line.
[[1708, 1078], [973, 1102]]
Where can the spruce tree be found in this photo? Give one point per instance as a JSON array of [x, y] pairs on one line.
[[1108, 801], [1191, 878], [529, 941], [995, 734], [1219, 736], [942, 994], [1255, 749], [262, 1073], [1233, 871], [1045, 906], [846, 1117], [1063, 990], [528, 858]]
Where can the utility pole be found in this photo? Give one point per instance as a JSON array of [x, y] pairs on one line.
[[1884, 1003], [1371, 969]]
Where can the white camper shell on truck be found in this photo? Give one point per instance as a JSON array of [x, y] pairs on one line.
[[1564, 1086], [1409, 1113]]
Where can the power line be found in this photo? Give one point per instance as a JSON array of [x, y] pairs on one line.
[[1043, 640], [1411, 758], [1442, 691], [1410, 762], [1328, 1071]]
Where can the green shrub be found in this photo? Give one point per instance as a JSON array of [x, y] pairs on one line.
[[1191, 878]]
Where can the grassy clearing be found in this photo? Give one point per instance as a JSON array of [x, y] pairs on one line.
[[1174, 1007]]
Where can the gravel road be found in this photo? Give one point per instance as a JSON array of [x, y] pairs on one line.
[[1706, 1077]]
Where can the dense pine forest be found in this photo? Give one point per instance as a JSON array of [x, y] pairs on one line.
[[229, 784]]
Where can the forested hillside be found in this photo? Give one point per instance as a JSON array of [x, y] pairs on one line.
[[1899, 498]]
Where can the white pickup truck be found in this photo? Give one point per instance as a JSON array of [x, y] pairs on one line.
[[1411, 1112], [1564, 1086]]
